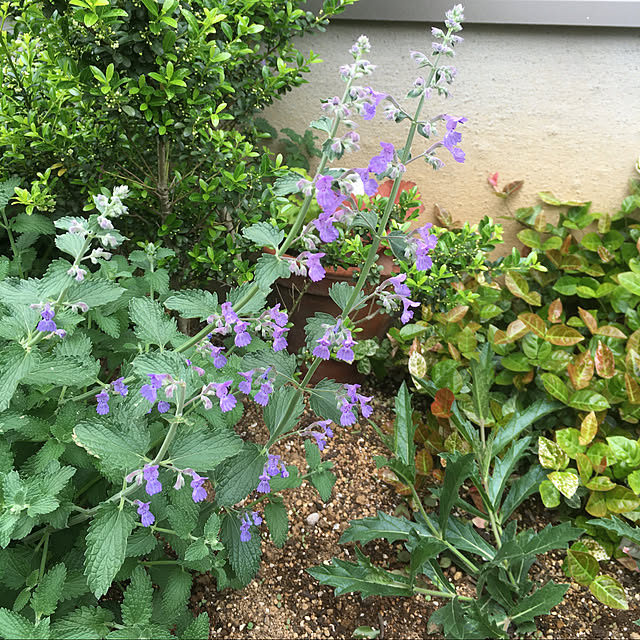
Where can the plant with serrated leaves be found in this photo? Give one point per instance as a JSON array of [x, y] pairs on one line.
[[505, 598], [108, 411], [159, 96]]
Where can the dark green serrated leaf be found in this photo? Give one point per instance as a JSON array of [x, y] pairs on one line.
[[193, 303], [85, 623], [176, 593], [538, 603], [282, 413], [458, 469], [404, 428], [203, 451], [238, 475], [136, 606], [243, 556], [390, 528], [198, 629], [275, 514], [49, 590], [269, 269], [323, 482], [152, 325], [264, 234], [324, 400]]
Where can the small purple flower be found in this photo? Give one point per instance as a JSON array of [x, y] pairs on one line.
[[322, 350], [370, 107], [279, 341], [149, 393], [163, 406], [120, 387], [242, 338], [273, 464], [219, 359], [347, 415], [199, 492], [263, 485], [157, 379], [262, 397], [103, 403], [316, 270], [228, 313], [278, 317], [257, 520], [345, 352], [245, 526], [227, 402], [370, 185], [398, 284], [47, 323], [324, 224], [245, 385], [378, 164], [407, 314], [146, 517], [150, 473], [453, 137]]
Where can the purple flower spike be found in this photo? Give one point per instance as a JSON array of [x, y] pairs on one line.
[[322, 350], [279, 341], [150, 473], [264, 486], [227, 402], [378, 164], [47, 323], [163, 406], [262, 397], [120, 387], [228, 313], [316, 270], [199, 492], [257, 520], [103, 403], [273, 462], [245, 534], [279, 317], [157, 379], [149, 393], [219, 360], [146, 517]]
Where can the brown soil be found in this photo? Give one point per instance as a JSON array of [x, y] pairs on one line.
[[284, 601]]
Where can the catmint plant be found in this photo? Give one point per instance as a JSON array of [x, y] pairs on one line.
[[110, 412]]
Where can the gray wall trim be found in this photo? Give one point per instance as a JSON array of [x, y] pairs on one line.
[[596, 13]]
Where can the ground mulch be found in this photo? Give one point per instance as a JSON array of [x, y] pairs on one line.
[[284, 601]]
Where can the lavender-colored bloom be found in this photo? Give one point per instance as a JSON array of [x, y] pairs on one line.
[[228, 313], [365, 408], [150, 473], [179, 481], [242, 338], [379, 163], [273, 463], [157, 379], [398, 284], [369, 184], [322, 350], [279, 341], [263, 485], [352, 391], [227, 402], [279, 317], [346, 352], [245, 525], [47, 323], [219, 359], [199, 492], [407, 314], [134, 475], [327, 198], [103, 403], [163, 406], [257, 520], [370, 107], [324, 224], [120, 387], [245, 385], [146, 517], [262, 397], [347, 415], [148, 392], [316, 270]]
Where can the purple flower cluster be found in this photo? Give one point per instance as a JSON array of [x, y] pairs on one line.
[[205, 347], [273, 467], [150, 474], [221, 391], [263, 380], [400, 296], [47, 323], [150, 391], [245, 525], [348, 405], [308, 261], [423, 246], [103, 397], [452, 138], [320, 431], [336, 335], [272, 323], [228, 320]]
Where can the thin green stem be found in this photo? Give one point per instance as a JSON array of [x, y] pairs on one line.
[[43, 560], [441, 594]]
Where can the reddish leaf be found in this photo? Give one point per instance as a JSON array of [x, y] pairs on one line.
[[454, 315], [476, 498], [588, 428], [455, 354], [563, 336], [500, 337], [555, 311], [442, 403], [493, 179], [424, 462], [634, 341], [566, 243], [541, 222], [571, 263], [589, 320], [581, 370], [512, 187], [521, 380], [534, 323], [517, 284], [605, 254], [516, 329], [605, 364]]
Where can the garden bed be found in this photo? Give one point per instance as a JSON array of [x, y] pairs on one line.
[[284, 601]]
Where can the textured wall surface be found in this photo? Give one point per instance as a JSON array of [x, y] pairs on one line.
[[558, 107]]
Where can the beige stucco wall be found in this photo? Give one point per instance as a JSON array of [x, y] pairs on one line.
[[558, 107]]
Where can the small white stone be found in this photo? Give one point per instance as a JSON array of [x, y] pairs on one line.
[[312, 519]]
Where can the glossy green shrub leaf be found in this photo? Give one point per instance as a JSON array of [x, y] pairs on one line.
[[601, 483], [630, 281], [586, 400], [621, 500], [555, 387], [549, 494], [569, 441], [551, 456], [565, 482], [583, 567]]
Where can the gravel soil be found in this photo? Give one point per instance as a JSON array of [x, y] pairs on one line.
[[284, 601]]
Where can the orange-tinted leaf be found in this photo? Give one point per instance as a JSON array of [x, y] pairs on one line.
[[456, 314], [605, 364], [555, 311], [555, 257], [534, 323], [605, 254], [541, 222], [476, 498], [632, 362], [455, 354], [517, 284], [571, 263], [634, 341], [424, 462], [633, 389], [437, 475], [512, 187], [563, 336], [588, 428], [589, 321], [442, 403], [442, 216], [500, 337], [610, 332], [566, 243], [516, 329], [581, 370], [521, 380]]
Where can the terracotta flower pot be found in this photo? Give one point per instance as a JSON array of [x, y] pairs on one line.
[[316, 299]]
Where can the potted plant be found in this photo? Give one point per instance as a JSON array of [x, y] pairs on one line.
[[342, 262]]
